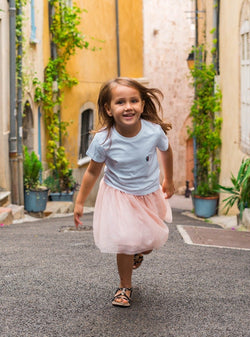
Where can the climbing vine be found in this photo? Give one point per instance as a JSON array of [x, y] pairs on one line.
[[19, 36], [206, 124], [66, 38]]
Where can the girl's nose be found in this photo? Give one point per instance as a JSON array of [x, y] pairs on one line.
[[127, 106]]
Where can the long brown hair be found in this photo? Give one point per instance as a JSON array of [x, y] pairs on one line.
[[151, 97]]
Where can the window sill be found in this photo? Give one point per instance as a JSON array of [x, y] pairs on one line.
[[83, 161]]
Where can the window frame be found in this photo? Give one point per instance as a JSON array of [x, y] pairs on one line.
[[87, 108]]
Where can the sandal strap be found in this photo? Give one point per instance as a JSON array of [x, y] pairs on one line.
[[138, 258], [123, 294]]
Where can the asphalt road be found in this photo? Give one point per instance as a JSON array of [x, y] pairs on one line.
[[54, 282]]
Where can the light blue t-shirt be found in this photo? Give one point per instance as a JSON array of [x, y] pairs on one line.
[[131, 162]]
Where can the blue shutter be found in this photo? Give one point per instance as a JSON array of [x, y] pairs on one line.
[[33, 26]]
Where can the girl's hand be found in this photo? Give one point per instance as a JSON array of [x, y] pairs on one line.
[[78, 212], [168, 188]]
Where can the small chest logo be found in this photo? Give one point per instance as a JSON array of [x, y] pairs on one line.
[[147, 158]]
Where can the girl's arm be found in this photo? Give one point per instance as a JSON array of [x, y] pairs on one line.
[[89, 178], [167, 163]]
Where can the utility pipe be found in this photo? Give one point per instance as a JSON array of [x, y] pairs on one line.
[[19, 88], [19, 112], [117, 37], [13, 137], [12, 32], [195, 58], [216, 34]]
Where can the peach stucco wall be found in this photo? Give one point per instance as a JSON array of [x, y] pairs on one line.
[[168, 38]]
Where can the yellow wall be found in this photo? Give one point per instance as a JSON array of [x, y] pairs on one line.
[[45, 37], [92, 68], [131, 37]]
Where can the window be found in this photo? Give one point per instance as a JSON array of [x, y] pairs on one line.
[[33, 38], [86, 127], [245, 77]]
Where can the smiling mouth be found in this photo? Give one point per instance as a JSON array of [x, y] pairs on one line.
[[128, 115]]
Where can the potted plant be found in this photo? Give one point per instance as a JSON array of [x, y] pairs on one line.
[[35, 195], [239, 193], [206, 127], [61, 186]]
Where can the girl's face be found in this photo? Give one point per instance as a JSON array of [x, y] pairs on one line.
[[126, 107]]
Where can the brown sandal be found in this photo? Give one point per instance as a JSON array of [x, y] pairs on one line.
[[138, 258], [123, 296]]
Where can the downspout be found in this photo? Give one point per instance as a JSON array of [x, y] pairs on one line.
[[117, 38], [13, 138], [216, 35], [195, 57], [19, 111]]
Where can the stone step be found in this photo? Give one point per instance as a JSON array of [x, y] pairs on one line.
[[17, 211], [6, 216], [4, 198], [10, 213], [59, 207]]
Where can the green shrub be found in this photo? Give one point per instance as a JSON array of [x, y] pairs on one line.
[[32, 168]]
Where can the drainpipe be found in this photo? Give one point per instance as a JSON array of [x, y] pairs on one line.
[[117, 37], [19, 114], [195, 57], [13, 138], [216, 35]]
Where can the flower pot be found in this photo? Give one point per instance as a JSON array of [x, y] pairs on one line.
[[64, 196], [205, 207], [35, 201]]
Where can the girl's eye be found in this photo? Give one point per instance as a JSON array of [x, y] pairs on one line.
[[119, 102]]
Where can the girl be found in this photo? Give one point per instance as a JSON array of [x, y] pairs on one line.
[[130, 206]]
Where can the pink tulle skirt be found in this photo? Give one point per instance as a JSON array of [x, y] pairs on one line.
[[129, 224]]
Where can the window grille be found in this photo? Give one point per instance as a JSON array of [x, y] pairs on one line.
[[86, 127]]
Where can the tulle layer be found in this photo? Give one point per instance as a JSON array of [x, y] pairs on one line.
[[129, 224]]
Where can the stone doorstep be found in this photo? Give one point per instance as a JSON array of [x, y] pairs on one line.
[[4, 198], [6, 216], [59, 207], [10, 213]]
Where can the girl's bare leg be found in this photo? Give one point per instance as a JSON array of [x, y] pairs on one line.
[[125, 269]]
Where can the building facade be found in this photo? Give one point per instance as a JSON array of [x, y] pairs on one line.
[[169, 34], [117, 28], [4, 97], [233, 32]]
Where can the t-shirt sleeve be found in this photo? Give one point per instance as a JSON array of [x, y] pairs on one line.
[[162, 141], [96, 150]]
